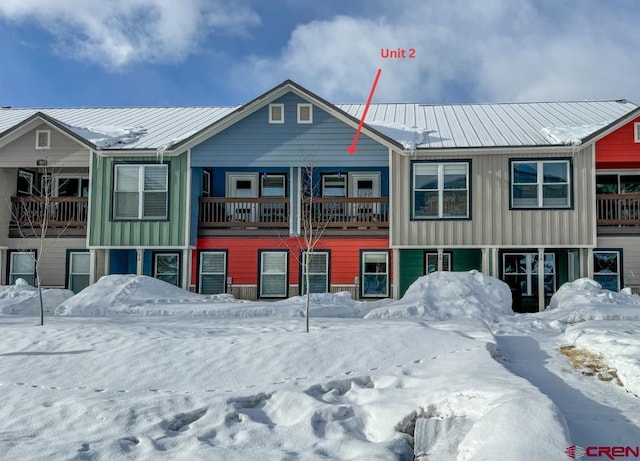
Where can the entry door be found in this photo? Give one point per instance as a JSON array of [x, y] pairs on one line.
[[166, 267], [242, 185], [364, 185]]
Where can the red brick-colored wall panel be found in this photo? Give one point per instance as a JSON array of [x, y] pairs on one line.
[[618, 149]]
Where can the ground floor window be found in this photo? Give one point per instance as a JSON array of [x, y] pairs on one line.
[[78, 270], [213, 272], [274, 274], [521, 270], [22, 265], [166, 267], [375, 274], [318, 272], [606, 269], [432, 264]]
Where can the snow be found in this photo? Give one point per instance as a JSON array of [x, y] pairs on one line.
[[569, 135], [23, 299], [109, 136], [411, 137], [133, 368]]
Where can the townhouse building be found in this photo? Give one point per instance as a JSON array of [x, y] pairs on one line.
[[223, 199]]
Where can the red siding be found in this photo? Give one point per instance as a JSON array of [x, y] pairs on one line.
[[618, 149], [243, 256]]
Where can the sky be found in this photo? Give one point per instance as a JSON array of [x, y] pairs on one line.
[[75, 53]]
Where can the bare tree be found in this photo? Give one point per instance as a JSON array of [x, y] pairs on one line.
[[33, 219]]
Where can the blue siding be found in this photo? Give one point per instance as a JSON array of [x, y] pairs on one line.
[[219, 177], [122, 262], [196, 192], [147, 262], [255, 142]]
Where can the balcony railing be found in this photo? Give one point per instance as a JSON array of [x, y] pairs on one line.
[[28, 213], [270, 213], [618, 209]]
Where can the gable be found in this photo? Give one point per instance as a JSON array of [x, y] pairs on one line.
[[619, 148], [253, 141]]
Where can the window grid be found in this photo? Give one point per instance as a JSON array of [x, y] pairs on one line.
[[213, 276], [444, 199], [43, 139], [318, 272], [539, 185], [606, 269], [375, 274], [274, 274], [141, 192]]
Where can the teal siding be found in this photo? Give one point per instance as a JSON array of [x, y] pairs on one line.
[[108, 233], [196, 193], [255, 142]]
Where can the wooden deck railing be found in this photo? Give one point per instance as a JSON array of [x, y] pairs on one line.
[[265, 212], [618, 209], [62, 212]]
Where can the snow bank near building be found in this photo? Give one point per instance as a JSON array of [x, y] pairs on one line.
[[585, 299], [451, 295], [23, 299], [116, 295]]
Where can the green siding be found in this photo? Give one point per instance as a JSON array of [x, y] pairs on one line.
[[412, 263], [105, 232]]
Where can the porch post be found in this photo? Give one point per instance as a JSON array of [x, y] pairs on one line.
[[139, 261], [186, 272], [495, 260], [541, 279], [107, 261], [485, 261], [590, 263], [92, 267], [395, 283]]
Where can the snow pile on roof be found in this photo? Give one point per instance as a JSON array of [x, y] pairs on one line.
[[115, 295], [109, 136], [411, 137], [569, 135], [23, 299], [585, 299], [451, 295]]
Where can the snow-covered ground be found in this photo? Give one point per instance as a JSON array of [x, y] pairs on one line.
[[132, 368]]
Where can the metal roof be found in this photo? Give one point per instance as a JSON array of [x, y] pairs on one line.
[[430, 126], [492, 125]]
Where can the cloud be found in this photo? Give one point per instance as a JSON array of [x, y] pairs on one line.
[[495, 50], [115, 33]]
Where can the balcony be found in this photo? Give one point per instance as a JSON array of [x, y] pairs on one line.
[[618, 213], [265, 215], [65, 216]]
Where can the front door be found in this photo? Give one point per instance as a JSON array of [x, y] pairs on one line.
[[242, 185]]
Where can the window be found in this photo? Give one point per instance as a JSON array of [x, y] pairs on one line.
[[273, 185], [276, 113], [606, 269], [433, 265], [305, 113], [71, 186], [166, 267], [43, 139], [78, 270], [206, 183], [334, 185], [140, 192], [22, 265], [274, 269], [521, 270], [375, 274], [25, 182], [318, 272], [540, 183], [440, 190], [636, 131], [213, 272]]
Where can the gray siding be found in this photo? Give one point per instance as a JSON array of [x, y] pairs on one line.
[[64, 151], [255, 142], [493, 223], [8, 178], [630, 245]]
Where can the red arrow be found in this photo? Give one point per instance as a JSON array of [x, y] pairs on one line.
[[352, 149]]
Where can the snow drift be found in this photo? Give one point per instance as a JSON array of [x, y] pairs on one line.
[[451, 295], [23, 299]]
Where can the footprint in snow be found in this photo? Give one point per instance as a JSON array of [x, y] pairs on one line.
[[183, 420], [84, 448]]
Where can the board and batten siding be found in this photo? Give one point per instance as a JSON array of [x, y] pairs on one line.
[[630, 246], [254, 142], [493, 223], [105, 232], [64, 151]]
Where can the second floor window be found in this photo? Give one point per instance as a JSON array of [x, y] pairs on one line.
[[440, 190], [140, 191], [540, 183]]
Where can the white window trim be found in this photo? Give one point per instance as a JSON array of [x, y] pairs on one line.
[[364, 274], [636, 132], [271, 119], [305, 105], [178, 267], [48, 137], [67, 176], [441, 190], [12, 273], [201, 272], [206, 191], [440, 258], [30, 176], [71, 272], [141, 192], [325, 273], [341, 176], [529, 272], [285, 273], [540, 183], [618, 274]]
